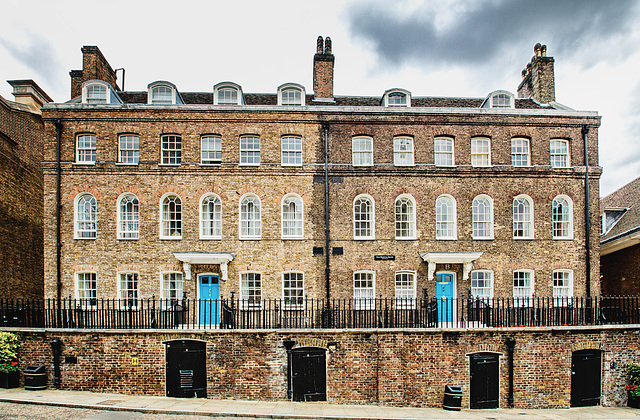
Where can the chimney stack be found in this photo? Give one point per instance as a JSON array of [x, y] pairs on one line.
[[323, 62], [94, 67], [29, 93], [538, 79]]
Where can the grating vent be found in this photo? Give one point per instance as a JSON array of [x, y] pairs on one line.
[[186, 379]]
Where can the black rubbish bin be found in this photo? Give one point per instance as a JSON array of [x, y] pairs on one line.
[[452, 397], [35, 377]]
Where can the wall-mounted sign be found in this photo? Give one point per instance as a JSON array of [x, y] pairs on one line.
[[384, 257]]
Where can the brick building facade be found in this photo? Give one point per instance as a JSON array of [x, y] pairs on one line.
[[21, 191], [290, 195]]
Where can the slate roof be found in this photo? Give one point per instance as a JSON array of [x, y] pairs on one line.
[[626, 197], [206, 98]]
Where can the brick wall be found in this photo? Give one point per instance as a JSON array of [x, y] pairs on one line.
[[621, 272], [21, 201], [393, 367]]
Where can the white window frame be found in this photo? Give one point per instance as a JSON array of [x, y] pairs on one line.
[[405, 289], [564, 226], [443, 151], [90, 97], [171, 149], [123, 301], [484, 218], [388, 99], [128, 149], [403, 154], [446, 223], [171, 227], [524, 222], [559, 158], [293, 290], [157, 94], [405, 221], [86, 149], [523, 293], [360, 228], [223, 94], [520, 152], [129, 219], [500, 99], [211, 225], [250, 297], [249, 153], [362, 151], [212, 153], [292, 223], [481, 285], [285, 91], [291, 150], [87, 296], [86, 224], [171, 288], [250, 224], [478, 152], [364, 297], [563, 294]]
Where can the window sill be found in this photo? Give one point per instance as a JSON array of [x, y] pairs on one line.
[[84, 163], [483, 238], [250, 239], [248, 164], [211, 238], [406, 238], [364, 239], [171, 238], [296, 238], [169, 164], [126, 164], [563, 238], [85, 239], [129, 239], [522, 238]]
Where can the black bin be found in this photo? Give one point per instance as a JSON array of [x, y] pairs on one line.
[[35, 377], [452, 397]]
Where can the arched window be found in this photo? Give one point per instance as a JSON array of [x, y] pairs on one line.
[[210, 217], [128, 217], [562, 217], [292, 217], [227, 93], [291, 94], [250, 217], [363, 217], [446, 218], [163, 93], [171, 217], [405, 209], [85, 217], [482, 215], [522, 217]]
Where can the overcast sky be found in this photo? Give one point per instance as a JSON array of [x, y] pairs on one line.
[[462, 48]]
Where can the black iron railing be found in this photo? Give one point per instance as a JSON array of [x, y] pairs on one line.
[[318, 313]]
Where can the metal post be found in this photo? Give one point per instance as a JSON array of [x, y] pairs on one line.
[[288, 345]]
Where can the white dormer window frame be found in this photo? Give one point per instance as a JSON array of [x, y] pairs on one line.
[[291, 94], [228, 93], [499, 99], [163, 93], [396, 98], [98, 92]]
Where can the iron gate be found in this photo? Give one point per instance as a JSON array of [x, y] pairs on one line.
[[484, 387], [309, 374], [586, 374], [186, 368]]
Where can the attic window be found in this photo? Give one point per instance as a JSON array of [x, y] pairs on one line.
[[610, 217], [291, 94], [397, 97], [98, 92], [227, 94], [499, 99], [163, 93]]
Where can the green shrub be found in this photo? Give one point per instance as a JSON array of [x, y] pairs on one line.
[[634, 379], [9, 343]]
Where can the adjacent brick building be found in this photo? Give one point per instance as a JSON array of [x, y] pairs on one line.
[[21, 191], [289, 194], [620, 241]]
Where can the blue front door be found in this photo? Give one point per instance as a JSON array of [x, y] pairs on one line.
[[444, 294], [209, 300]]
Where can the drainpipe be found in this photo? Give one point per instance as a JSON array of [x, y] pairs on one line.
[[327, 269], [58, 125], [587, 221], [511, 343]]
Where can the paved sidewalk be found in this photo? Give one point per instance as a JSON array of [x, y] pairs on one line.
[[291, 410]]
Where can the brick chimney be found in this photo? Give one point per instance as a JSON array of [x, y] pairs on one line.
[[29, 93], [94, 67], [538, 80], [323, 71]]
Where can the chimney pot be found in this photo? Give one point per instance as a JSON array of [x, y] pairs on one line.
[[327, 46], [320, 45]]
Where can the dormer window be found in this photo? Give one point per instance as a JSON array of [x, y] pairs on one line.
[[397, 97], [499, 99], [163, 93], [291, 94], [98, 92], [227, 94]]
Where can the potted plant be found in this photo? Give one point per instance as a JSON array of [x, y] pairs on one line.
[[633, 389], [9, 369]]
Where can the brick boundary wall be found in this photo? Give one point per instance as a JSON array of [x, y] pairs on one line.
[[387, 367]]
